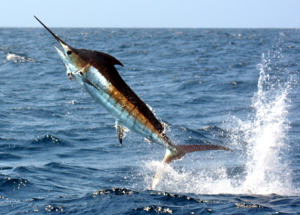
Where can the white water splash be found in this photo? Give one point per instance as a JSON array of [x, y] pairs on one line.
[[17, 58], [262, 169], [266, 137]]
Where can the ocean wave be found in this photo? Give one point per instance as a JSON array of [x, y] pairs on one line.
[[9, 157], [8, 183], [24, 169], [114, 191], [156, 202], [49, 140]]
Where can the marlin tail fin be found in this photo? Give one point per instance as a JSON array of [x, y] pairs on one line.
[[181, 150]]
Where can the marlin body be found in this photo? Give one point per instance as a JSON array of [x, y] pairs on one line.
[[96, 73]]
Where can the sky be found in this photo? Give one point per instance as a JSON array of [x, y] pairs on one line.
[[152, 13]]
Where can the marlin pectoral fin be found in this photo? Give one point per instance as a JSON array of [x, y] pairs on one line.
[[81, 73], [88, 82], [121, 131]]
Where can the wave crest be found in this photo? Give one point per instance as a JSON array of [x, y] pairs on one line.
[[17, 58]]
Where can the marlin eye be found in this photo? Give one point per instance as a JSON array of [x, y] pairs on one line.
[[80, 73], [69, 52]]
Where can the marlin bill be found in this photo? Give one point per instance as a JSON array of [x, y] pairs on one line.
[[95, 71]]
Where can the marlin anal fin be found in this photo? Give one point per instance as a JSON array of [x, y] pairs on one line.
[[181, 150], [121, 130]]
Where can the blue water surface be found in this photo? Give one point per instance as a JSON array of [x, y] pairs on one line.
[[238, 88]]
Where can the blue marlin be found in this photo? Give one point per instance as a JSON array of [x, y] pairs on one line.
[[95, 71]]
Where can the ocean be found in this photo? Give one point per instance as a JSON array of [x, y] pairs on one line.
[[238, 88]]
